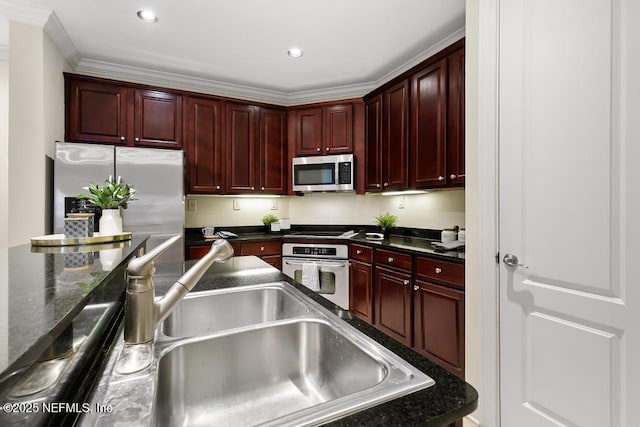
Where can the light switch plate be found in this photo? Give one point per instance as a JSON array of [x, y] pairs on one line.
[[192, 205], [274, 204], [236, 204]]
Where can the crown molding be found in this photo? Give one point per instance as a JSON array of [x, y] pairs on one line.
[[61, 39], [4, 52], [27, 14], [152, 77], [430, 51]]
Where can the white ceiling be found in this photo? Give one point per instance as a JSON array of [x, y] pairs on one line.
[[350, 46]]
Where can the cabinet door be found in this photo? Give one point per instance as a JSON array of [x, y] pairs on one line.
[[158, 119], [373, 143], [273, 156], [241, 148], [428, 128], [205, 149], [96, 112], [309, 132], [360, 286], [393, 304], [395, 153], [439, 325], [455, 119], [273, 260], [338, 129], [197, 252]]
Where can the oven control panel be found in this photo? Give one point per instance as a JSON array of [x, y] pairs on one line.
[[314, 251]]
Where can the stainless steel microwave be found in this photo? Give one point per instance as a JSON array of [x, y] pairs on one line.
[[323, 173]]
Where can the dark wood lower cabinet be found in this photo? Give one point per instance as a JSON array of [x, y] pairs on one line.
[[360, 298], [392, 295], [439, 325]]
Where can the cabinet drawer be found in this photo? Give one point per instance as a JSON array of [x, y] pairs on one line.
[[362, 253], [393, 259], [261, 248], [441, 271]]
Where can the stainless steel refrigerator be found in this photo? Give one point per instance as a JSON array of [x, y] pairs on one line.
[[156, 174]]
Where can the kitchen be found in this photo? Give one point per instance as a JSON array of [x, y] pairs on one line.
[[23, 210]]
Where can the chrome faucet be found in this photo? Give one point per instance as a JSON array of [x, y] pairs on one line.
[[143, 313]]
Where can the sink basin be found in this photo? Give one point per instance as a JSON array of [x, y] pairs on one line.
[[298, 372], [204, 313]]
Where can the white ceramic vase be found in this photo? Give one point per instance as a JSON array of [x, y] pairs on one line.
[[110, 222]]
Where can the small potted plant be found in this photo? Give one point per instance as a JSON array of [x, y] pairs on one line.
[[267, 220], [386, 221], [110, 197]]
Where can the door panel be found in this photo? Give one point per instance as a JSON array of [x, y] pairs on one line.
[[205, 147], [240, 144], [569, 318], [273, 158]]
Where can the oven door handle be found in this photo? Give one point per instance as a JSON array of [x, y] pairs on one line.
[[320, 264]]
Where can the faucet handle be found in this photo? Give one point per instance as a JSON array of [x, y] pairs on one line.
[[143, 266]]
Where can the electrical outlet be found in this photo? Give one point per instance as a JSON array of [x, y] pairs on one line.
[[192, 205], [236, 204], [274, 204], [401, 205]]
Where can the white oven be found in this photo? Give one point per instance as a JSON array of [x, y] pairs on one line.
[[323, 268]]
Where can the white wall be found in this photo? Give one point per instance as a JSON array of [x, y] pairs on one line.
[[436, 210], [4, 212], [36, 119]]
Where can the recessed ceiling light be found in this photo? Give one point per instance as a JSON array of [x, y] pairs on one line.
[[147, 16], [295, 52]]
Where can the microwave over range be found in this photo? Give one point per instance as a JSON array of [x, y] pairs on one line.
[[323, 173]]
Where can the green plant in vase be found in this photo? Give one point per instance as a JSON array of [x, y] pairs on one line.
[[269, 219], [386, 221], [109, 197]]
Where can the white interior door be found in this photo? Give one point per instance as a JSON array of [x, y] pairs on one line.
[[569, 141]]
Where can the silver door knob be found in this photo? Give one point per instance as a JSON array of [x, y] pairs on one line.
[[217, 187], [452, 176], [137, 139], [122, 138], [416, 287], [327, 148], [318, 150], [377, 185], [386, 184], [441, 178], [261, 188], [512, 261], [406, 282]]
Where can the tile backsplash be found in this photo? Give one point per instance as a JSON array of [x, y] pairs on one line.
[[435, 210]]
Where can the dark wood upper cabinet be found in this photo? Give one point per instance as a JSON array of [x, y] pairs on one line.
[[96, 112], [428, 126], [338, 129], [241, 148], [256, 149], [205, 150], [455, 119], [373, 143], [323, 130], [106, 112], [395, 147], [273, 151], [157, 119], [309, 132]]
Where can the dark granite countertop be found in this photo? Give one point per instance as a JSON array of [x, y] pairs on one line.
[[49, 286], [413, 241], [449, 399]]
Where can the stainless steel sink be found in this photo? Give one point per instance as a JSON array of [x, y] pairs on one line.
[[255, 355], [298, 373], [208, 312]]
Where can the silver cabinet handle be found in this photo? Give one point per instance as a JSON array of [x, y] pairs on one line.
[[318, 149], [406, 282], [327, 148], [390, 259], [261, 188], [438, 270], [386, 184], [441, 178], [253, 188], [122, 138], [261, 248], [358, 251], [137, 139], [512, 261], [217, 187], [377, 185], [456, 176], [416, 287]]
